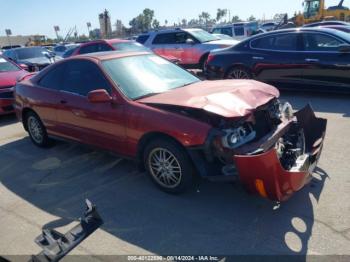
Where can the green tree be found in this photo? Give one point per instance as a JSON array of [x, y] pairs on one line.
[[236, 19], [220, 14], [143, 22], [155, 24], [251, 18]]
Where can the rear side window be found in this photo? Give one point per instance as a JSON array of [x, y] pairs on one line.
[[83, 76], [142, 39], [54, 78], [227, 31], [88, 49], [239, 30], [321, 42], [282, 42], [168, 38]]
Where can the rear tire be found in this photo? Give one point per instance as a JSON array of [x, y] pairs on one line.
[[202, 62], [169, 166], [238, 72], [36, 129]]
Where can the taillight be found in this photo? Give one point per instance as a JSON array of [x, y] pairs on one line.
[[210, 58]]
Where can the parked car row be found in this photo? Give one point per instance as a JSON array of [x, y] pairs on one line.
[[311, 58]]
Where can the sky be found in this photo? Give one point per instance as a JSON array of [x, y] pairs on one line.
[[27, 17]]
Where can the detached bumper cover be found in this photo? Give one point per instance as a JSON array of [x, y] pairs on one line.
[[263, 174]]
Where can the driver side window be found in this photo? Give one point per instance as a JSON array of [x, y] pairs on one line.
[[321, 42], [82, 76]]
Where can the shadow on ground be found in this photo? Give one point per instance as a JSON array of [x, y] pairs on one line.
[[216, 219], [7, 120]]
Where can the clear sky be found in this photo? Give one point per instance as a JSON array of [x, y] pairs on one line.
[[39, 16]]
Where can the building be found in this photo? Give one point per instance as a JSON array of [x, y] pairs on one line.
[[105, 24]]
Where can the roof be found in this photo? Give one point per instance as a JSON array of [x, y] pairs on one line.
[[110, 55]]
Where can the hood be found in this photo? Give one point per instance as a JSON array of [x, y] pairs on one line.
[[10, 78], [227, 98], [35, 60], [226, 42]]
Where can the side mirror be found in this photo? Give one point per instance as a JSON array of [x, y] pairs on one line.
[[190, 41], [344, 49], [99, 96], [24, 66]]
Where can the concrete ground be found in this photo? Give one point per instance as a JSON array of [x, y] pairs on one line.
[[47, 187]]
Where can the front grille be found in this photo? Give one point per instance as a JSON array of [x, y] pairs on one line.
[[6, 95]]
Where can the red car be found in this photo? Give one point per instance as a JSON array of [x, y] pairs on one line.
[[113, 45], [141, 106], [10, 73]]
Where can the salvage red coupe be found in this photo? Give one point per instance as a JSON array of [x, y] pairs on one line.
[[141, 106], [10, 73]]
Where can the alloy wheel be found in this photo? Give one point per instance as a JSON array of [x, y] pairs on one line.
[[35, 129], [164, 167], [238, 74]]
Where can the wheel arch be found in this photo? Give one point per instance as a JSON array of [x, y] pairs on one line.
[[24, 113], [146, 138]]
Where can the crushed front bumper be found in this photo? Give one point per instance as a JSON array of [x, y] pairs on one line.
[[263, 173]]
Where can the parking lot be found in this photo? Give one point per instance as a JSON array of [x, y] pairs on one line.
[[47, 187]]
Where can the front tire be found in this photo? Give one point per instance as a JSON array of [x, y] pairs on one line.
[[168, 165], [36, 129]]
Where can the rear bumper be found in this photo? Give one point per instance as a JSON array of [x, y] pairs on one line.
[[263, 174], [6, 101]]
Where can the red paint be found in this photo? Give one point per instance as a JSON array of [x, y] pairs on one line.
[[7, 82], [228, 98]]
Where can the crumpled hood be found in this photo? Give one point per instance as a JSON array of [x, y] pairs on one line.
[[10, 78], [228, 98]]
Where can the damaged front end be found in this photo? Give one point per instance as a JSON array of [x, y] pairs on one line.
[[273, 151], [282, 163]]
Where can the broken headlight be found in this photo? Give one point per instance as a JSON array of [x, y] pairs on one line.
[[236, 137]]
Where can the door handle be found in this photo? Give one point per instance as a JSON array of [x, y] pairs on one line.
[[258, 58], [312, 60], [63, 102]]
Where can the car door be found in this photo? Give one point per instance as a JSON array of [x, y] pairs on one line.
[[98, 124], [164, 44], [276, 59], [48, 87], [187, 52], [326, 67]]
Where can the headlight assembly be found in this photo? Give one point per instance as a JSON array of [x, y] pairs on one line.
[[236, 137]]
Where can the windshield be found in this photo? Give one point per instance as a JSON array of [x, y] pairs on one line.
[[27, 53], [129, 46], [145, 75], [311, 8], [203, 36], [6, 66]]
